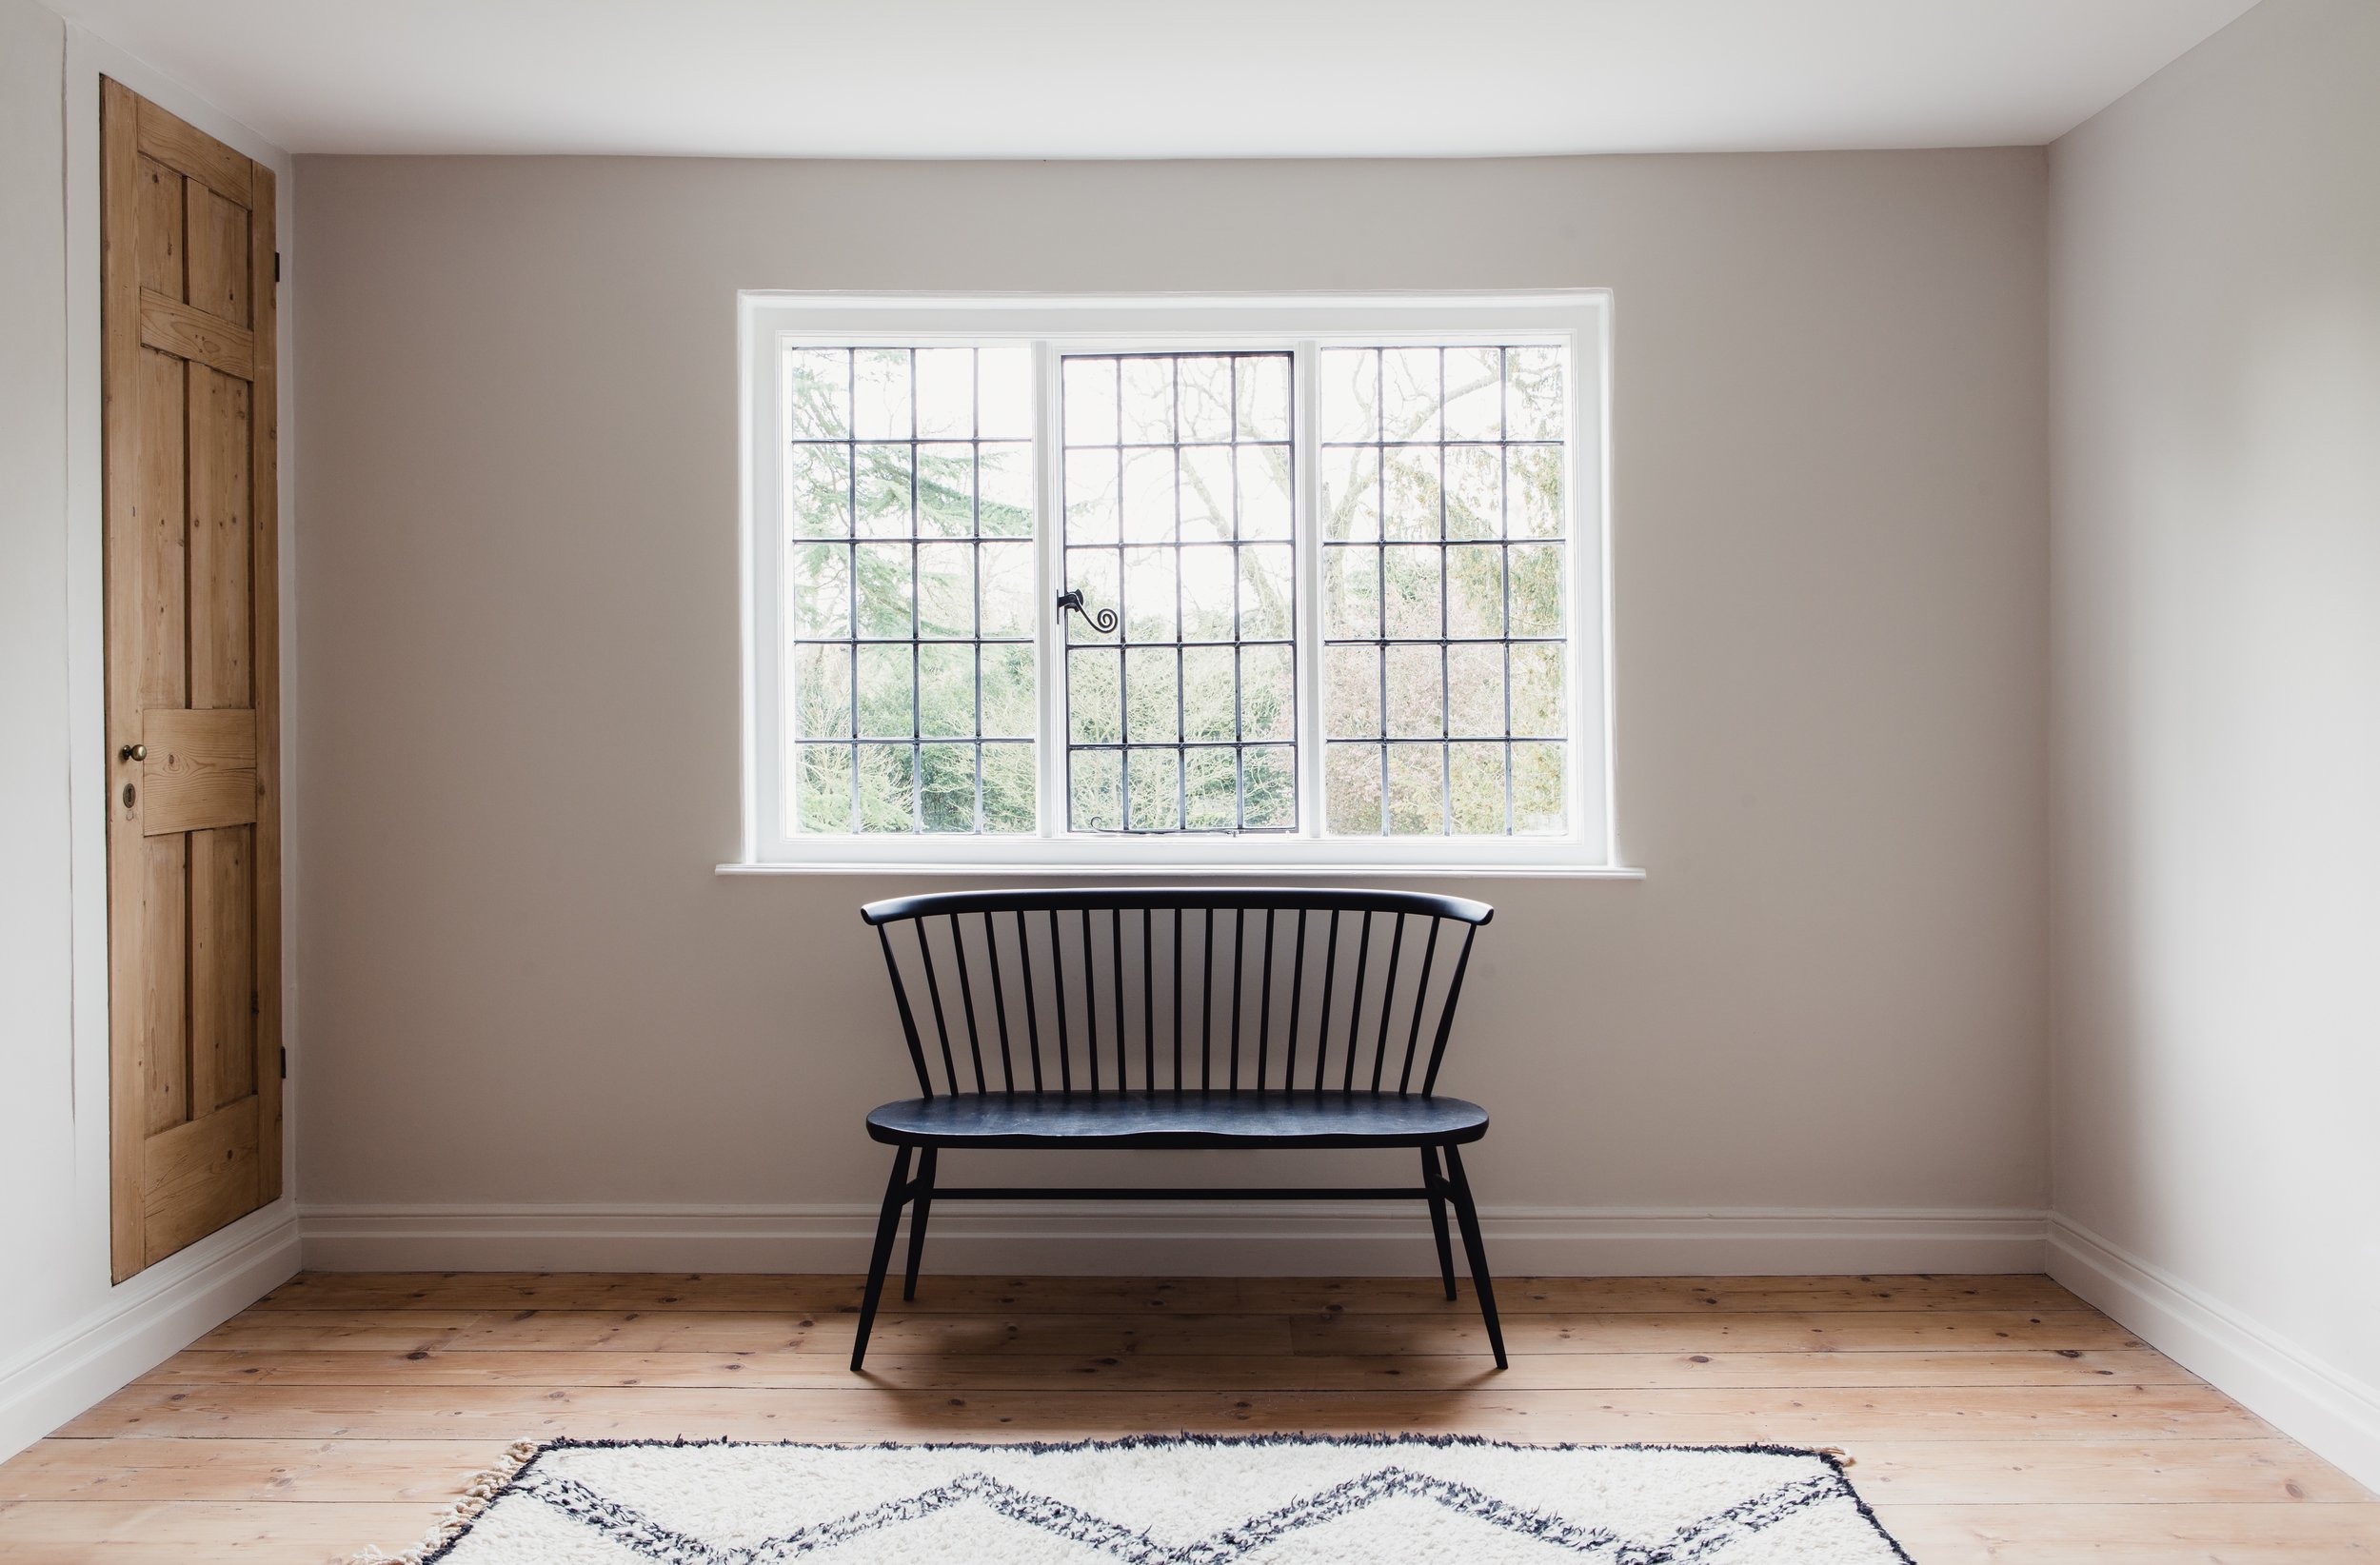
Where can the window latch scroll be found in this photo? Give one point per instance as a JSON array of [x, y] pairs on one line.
[[1103, 620]]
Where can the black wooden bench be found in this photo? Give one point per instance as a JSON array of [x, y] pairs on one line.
[[1203, 1018]]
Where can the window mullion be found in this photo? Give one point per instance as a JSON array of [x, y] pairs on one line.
[[1049, 529], [1305, 531]]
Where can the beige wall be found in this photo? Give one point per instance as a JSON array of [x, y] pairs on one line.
[[523, 984], [2218, 379]]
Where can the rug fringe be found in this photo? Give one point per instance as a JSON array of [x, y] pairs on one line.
[[477, 1495]]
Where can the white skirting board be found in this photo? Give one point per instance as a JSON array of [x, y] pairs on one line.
[[144, 1323], [1181, 1238], [2335, 1416]]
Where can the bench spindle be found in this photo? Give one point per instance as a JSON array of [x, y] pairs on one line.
[[1239, 963], [1446, 1016], [1148, 1000], [1297, 993], [1000, 1004], [908, 1023], [1116, 949], [1264, 1004], [1207, 1001], [1388, 1001], [1058, 1003], [1420, 995], [1032, 1019], [1322, 1026], [934, 990], [1355, 1004], [967, 1003]]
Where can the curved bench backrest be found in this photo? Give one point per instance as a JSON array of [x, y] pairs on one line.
[[1177, 989]]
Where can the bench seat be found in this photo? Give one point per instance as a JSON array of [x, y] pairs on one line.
[[1214, 1118]]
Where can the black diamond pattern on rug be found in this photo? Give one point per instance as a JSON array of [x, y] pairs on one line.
[[1696, 1541], [1164, 1501]]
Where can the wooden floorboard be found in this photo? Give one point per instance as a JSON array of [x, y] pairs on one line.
[[1987, 1417], [450, 1366]]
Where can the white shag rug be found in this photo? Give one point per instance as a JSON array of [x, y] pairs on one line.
[[1155, 1500]]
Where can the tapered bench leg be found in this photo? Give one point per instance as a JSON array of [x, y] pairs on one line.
[[1467, 1213], [1435, 1183], [916, 1221], [895, 1194]]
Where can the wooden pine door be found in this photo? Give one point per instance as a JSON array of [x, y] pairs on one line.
[[187, 285]]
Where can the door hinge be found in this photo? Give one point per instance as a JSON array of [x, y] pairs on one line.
[[285, 1061], [276, 266], [255, 1004]]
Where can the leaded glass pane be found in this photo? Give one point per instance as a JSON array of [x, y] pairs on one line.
[[909, 509], [1442, 650], [1179, 509]]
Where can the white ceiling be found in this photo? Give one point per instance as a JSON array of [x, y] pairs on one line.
[[1125, 78]]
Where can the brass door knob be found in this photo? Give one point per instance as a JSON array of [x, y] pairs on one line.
[[133, 752]]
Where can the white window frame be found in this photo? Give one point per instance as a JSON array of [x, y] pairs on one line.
[[1579, 320]]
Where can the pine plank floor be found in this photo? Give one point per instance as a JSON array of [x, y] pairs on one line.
[[1987, 1417]]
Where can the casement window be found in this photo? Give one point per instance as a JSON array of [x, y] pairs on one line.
[[1175, 584]]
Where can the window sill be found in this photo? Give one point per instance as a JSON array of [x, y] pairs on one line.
[[1164, 870]]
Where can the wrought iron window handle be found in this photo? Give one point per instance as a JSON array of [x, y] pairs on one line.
[[1103, 620]]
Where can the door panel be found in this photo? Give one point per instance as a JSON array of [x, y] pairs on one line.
[[218, 281], [219, 538], [158, 238], [222, 1019], [199, 1176], [193, 736], [164, 936]]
